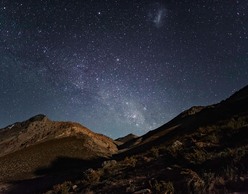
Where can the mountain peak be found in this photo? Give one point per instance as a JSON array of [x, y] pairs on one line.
[[193, 110], [239, 95], [127, 138], [39, 117], [40, 128], [198, 138]]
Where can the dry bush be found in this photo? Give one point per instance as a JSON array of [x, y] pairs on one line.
[[63, 188], [92, 176], [162, 187], [154, 152], [130, 161]]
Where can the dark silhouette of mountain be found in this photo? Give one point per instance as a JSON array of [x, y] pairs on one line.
[[202, 150], [126, 138], [228, 112], [126, 141]]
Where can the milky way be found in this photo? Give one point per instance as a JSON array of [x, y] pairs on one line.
[[157, 14], [119, 67]]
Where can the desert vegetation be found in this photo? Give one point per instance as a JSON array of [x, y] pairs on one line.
[[208, 157], [202, 150]]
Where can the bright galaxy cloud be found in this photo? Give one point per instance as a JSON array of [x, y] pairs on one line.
[[158, 15]]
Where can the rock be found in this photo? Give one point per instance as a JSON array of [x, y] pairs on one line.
[[109, 163], [169, 168], [130, 189], [147, 159], [74, 187], [242, 179], [193, 180], [143, 191], [89, 171], [177, 145], [49, 192]]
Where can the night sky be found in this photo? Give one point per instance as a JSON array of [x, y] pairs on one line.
[[119, 66]]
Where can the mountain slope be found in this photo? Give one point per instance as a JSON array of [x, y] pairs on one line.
[[202, 150], [38, 142], [232, 111], [39, 129], [126, 138]]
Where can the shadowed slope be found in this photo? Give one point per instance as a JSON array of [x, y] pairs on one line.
[[202, 150], [231, 111], [39, 142]]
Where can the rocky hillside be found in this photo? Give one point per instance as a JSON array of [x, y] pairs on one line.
[[202, 150], [39, 129], [122, 141], [126, 138], [232, 111], [39, 146]]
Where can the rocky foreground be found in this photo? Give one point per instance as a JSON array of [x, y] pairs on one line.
[[202, 150]]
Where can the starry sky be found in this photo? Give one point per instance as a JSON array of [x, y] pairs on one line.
[[119, 66]]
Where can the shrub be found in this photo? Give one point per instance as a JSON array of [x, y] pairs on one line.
[[92, 176], [162, 186], [130, 161], [175, 148], [155, 152], [62, 188], [197, 156], [213, 138]]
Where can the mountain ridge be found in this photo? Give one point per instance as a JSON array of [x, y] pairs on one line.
[[39, 128], [202, 150], [38, 142], [187, 152]]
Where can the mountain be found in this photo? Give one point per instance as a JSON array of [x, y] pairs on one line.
[[39, 146], [40, 129], [230, 113], [202, 150], [126, 138]]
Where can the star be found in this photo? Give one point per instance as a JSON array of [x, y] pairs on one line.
[[119, 68]]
